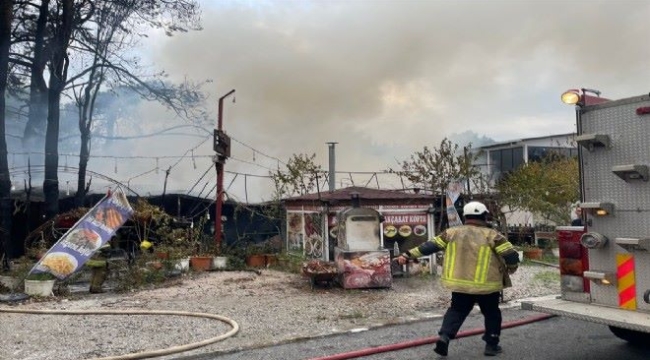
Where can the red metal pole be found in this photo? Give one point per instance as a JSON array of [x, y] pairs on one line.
[[219, 162], [219, 202]]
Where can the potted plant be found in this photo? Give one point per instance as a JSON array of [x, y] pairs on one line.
[[256, 255], [272, 249], [39, 284], [12, 277], [201, 245], [179, 258], [532, 252], [201, 258], [201, 262], [219, 262], [173, 244]]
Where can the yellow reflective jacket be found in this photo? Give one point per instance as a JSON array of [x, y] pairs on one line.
[[473, 261]]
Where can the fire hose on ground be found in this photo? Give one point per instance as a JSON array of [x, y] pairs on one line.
[[427, 340], [144, 354]]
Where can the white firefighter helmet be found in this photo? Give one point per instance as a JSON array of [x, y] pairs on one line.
[[475, 208]]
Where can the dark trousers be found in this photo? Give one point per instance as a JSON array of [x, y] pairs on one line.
[[462, 304]]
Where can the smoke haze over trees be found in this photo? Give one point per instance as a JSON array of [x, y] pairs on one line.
[[60, 55]]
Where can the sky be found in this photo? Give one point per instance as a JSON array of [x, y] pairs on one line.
[[383, 79]]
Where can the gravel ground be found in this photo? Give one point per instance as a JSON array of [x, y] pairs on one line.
[[270, 308]]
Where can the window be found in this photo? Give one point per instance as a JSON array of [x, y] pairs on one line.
[[506, 160], [517, 157], [495, 159], [537, 153]]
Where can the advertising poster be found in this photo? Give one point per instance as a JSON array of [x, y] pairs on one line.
[[408, 230], [364, 269], [294, 230], [89, 234], [453, 193], [313, 237]]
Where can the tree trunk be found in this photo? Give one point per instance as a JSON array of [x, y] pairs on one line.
[[35, 127], [6, 18], [85, 123], [84, 155], [51, 181], [58, 75]]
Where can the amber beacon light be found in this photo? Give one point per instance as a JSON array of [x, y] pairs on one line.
[[571, 96]]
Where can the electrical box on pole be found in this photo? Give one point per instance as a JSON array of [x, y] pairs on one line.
[[221, 144]]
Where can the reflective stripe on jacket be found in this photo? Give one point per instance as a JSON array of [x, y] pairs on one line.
[[473, 262]]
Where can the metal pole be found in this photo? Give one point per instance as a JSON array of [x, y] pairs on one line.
[[332, 168], [467, 166], [219, 165]]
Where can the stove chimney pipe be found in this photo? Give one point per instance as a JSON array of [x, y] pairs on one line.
[[332, 168]]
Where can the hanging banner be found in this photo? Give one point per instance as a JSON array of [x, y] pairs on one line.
[[89, 234], [453, 193]]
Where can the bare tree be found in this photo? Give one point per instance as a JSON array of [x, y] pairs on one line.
[[300, 176], [434, 169], [35, 127], [62, 26], [6, 18], [111, 36], [49, 31], [108, 18]]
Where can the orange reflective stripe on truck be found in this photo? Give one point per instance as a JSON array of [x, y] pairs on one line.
[[626, 281]]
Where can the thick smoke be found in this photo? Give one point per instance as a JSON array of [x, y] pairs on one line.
[[384, 79]]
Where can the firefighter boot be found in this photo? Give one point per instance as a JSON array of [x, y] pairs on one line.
[[99, 275], [492, 350], [442, 345]]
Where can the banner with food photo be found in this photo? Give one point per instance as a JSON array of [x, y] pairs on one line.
[[83, 239], [453, 193], [408, 230]]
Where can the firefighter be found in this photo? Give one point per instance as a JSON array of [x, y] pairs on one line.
[[476, 268]]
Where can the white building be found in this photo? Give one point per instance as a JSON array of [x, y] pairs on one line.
[[495, 160]]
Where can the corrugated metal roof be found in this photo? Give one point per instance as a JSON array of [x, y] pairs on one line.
[[520, 141], [364, 193]]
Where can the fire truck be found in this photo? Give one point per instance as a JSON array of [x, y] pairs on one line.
[[605, 264]]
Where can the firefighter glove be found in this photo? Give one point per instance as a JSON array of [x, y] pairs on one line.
[[512, 269]]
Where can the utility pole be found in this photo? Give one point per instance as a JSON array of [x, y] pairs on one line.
[[222, 149], [332, 166], [467, 163]]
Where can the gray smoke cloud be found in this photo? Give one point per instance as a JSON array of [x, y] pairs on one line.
[[385, 78]]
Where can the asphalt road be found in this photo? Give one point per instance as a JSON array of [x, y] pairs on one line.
[[555, 339]]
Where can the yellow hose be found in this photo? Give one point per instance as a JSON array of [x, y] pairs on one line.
[[143, 354]]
